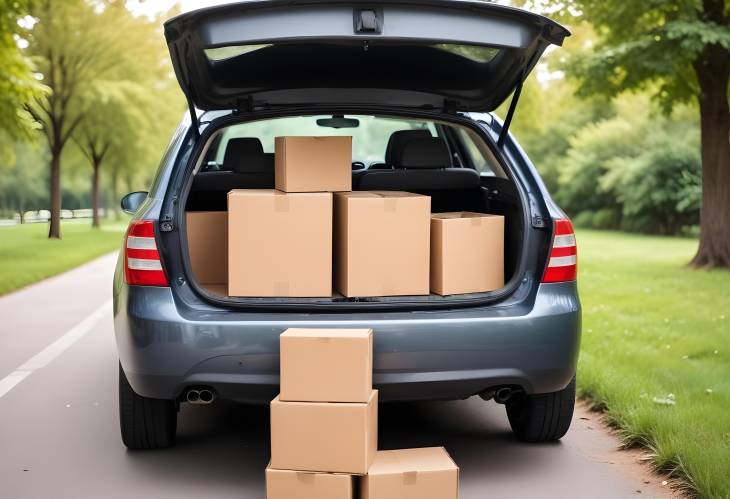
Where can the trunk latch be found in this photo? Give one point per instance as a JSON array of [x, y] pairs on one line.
[[368, 21]]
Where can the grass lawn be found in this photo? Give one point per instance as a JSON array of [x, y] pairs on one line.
[[28, 256], [656, 351]]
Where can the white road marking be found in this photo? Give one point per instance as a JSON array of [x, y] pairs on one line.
[[48, 354]]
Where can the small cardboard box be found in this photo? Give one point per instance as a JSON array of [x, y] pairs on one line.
[[279, 244], [427, 473], [382, 243], [208, 248], [327, 437], [286, 484], [467, 252], [326, 365], [313, 164]]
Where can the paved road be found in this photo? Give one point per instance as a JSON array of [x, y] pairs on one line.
[[59, 428]]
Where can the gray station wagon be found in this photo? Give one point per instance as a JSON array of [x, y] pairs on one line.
[[414, 84]]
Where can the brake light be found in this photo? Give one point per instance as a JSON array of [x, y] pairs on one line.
[[142, 265], [563, 263]]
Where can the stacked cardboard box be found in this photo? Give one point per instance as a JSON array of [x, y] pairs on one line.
[[324, 426], [294, 242], [325, 419], [280, 240]]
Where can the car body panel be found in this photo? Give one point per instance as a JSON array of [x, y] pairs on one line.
[[169, 339], [447, 354], [313, 52]]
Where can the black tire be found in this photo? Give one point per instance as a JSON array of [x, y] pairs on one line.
[[542, 418], [145, 423]]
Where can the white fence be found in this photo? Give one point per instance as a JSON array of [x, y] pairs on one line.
[[43, 216]]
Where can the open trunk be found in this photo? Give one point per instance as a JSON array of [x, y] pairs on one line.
[[432, 58], [241, 157]]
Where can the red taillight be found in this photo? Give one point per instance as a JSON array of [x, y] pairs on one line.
[[563, 263], [142, 265]]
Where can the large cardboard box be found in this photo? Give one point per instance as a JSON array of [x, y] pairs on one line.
[[279, 244], [326, 365], [382, 243], [427, 473], [313, 164], [208, 248], [467, 252], [286, 484], [319, 436]]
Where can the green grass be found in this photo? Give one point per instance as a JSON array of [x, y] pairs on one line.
[[656, 352], [28, 256]]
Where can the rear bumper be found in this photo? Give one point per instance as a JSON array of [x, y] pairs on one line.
[[426, 355]]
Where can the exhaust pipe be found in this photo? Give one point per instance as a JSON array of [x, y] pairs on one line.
[[502, 395], [193, 396], [206, 396], [202, 396]]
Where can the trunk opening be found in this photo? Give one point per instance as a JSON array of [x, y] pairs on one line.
[[494, 192]]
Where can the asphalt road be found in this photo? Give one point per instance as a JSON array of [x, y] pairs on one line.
[[59, 434]]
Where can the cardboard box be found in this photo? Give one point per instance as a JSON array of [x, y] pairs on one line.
[[427, 473], [279, 244], [326, 365], [319, 436], [208, 248], [286, 484], [313, 164], [467, 252], [382, 243]]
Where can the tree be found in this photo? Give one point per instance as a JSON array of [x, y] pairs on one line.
[[683, 48], [17, 84], [72, 46]]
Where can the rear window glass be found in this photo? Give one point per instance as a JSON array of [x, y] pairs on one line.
[[369, 138]]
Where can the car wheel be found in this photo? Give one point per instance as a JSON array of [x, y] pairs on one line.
[[146, 423], [544, 417]]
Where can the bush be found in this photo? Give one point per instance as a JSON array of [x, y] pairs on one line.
[[638, 171]]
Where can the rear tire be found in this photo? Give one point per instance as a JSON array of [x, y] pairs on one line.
[[145, 423], [542, 418]]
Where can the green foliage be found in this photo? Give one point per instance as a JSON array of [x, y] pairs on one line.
[[109, 83], [641, 44], [17, 84], [638, 170]]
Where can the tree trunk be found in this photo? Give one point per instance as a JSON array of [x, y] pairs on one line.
[[95, 196], [713, 74], [54, 229], [115, 193]]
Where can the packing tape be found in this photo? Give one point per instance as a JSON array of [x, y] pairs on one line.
[[410, 477], [281, 288], [390, 204], [388, 288], [476, 221], [281, 203], [323, 339]]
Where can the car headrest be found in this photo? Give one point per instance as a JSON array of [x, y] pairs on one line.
[[246, 155], [398, 140], [424, 153]]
